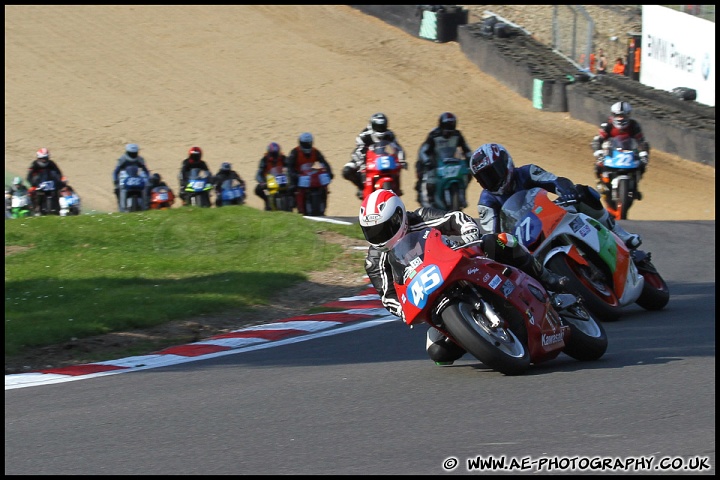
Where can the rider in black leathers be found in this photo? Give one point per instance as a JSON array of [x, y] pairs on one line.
[[502, 247], [376, 131], [445, 134]]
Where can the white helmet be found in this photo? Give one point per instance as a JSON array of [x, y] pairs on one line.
[[383, 219], [17, 181], [620, 113]]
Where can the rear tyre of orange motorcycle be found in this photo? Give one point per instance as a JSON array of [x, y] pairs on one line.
[[499, 348], [598, 299], [655, 293]]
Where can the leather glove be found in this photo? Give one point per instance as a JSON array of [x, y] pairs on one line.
[[644, 158], [469, 233], [569, 195], [599, 154]]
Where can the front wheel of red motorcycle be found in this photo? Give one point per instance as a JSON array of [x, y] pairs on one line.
[[588, 340], [496, 347]]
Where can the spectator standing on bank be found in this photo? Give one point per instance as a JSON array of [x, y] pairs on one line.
[[602, 62]]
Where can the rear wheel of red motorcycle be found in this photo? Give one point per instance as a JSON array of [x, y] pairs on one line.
[[498, 348]]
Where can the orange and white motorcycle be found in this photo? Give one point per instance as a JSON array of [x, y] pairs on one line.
[[601, 269]]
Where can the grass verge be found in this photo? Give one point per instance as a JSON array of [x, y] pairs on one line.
[[75, 277]]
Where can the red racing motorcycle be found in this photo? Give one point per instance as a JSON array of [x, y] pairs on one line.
[[382, 168], [497, 313]]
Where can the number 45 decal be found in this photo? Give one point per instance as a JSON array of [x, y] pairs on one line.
[[424, 284]]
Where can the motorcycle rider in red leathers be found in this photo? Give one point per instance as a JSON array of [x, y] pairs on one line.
[[303, 153], [384, 221], [619, 123]]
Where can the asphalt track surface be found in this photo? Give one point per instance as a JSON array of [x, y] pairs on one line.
[[368, 401]]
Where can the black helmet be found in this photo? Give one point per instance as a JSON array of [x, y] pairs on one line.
[[447, 123], [379, 123], [225, 167], [155, 179]]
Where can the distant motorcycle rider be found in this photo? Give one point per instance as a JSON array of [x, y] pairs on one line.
[[304, 153], [42, 164], [157, 181], [18, 189], [131, 157], [193, 160], [226, 172], [619, 123], [43, 168], [375, 131], [493, 168], [273, 158], [384, 221], [444, 135]]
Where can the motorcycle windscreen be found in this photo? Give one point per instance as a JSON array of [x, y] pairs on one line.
[[521, 215]]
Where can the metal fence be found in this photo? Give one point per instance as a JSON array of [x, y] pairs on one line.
[[573, 32]]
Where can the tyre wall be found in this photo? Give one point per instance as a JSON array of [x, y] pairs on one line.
[[552, 83]]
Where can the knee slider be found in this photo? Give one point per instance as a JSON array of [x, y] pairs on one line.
[[349, 173], [441, 349]]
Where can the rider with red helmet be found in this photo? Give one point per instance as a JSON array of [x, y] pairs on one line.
[[42, 168], [41, 164], [193, 160], [384, 221]]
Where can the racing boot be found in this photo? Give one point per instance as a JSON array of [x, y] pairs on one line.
[[631, 240], [524, 260], [551, 281], [441, 349]]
